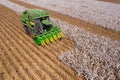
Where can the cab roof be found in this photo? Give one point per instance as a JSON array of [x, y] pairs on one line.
[[36, 13]]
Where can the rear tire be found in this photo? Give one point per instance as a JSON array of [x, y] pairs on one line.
[[26, 29]]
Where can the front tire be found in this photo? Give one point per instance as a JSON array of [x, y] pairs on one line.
[[28, 30]]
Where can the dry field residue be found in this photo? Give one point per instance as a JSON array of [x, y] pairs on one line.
[[21, 58]]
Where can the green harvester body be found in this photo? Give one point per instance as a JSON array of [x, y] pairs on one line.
[[38, 24]]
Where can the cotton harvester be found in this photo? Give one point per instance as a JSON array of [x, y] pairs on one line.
[[38, 24]]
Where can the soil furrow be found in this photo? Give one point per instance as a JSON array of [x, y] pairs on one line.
[[14, 51], [43, 50], [12, 58], [30, 61], [18, 52], [3, 72], [9, 67], [52, 65]]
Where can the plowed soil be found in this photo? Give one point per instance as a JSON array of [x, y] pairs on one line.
[[22, 59], [96, 29]]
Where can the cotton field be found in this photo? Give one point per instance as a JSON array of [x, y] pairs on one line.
[[80, 55], [105, 14]]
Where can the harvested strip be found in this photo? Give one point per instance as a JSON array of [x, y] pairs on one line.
[[3, 72], [38, 49], [37, 52], [15, 51], [31, 57], [53, 60]]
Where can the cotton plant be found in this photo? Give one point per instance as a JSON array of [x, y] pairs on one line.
[[94, 57]]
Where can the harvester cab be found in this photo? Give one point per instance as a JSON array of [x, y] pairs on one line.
[[38, 24]]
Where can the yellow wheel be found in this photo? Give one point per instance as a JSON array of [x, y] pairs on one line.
[[51, 39], [62, 34], [43, 43], [59, 36], [47, 41], [55, 37]]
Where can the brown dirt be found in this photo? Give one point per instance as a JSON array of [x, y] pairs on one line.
[[112, 1], [87, 26], [21, 58]]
